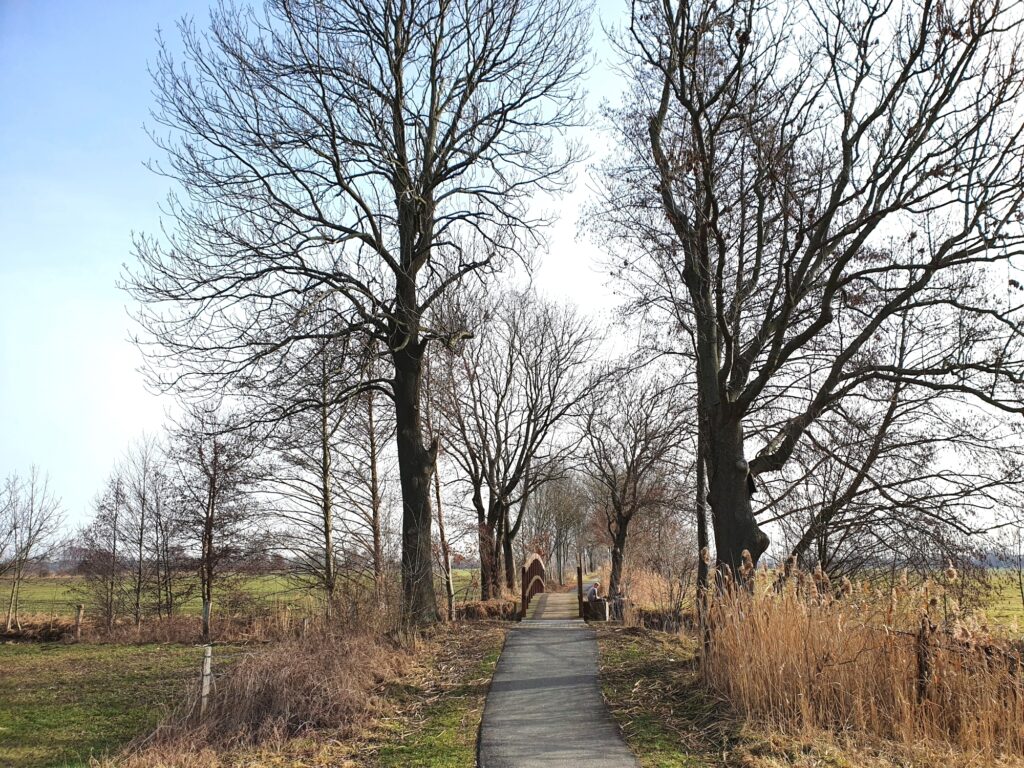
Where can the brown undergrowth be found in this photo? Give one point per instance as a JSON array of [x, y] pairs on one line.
[[802, 671], [325, 701], [672, 719], [902, 664]]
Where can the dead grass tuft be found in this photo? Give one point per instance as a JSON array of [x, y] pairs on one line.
[[324, 682], [475, 610]]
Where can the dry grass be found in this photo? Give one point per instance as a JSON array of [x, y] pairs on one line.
[[346, 702], [487, 609], [655, 689], [901, 665], [322, 682]]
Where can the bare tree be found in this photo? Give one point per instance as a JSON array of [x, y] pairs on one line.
[[633, 436], [502, 399], [379, 152], [142, 484], [7, 500], [172, 568], [103, 565], [870, 481], [35, 518], [796, 181], [216, 472], [367, 468]]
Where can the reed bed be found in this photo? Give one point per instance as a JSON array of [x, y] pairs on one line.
[[903, 664]]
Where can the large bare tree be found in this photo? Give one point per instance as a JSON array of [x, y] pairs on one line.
[[796, 180], [505, 402], [377, 151]]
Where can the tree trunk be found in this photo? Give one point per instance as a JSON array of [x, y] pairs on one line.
[[497, 518], [446, 554], [509, 556], [731, 512], [327, 505], [558, 563], [207, 565], [139, 567], [375, 501], [415, 468], [13, 601], [618, 554], [485, 539], [700, 503]]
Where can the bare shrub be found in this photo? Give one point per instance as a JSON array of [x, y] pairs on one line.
[[818, 655], [487, 609], [323, 682]]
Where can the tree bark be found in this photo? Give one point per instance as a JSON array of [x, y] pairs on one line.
[[446, 554], [208, 564], [618, 554], [327, 501], [375, 501], [508, 554], [732, 514], [415, 468]]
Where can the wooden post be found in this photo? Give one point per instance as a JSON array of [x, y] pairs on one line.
[[305, 625], [207, 675], [924, 666], [78, 622], [579, 587], [522, 584]]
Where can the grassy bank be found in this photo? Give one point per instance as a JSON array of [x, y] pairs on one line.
[[61, 704]]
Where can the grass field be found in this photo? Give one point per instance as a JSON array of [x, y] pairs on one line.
[[58, 595], [1006, 606], [61, 704]]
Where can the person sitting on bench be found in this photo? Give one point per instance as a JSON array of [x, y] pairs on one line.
[[592, 594]]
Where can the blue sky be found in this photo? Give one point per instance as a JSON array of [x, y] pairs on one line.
[[74, 95]]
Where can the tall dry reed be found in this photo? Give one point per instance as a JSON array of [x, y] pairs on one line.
[[805, 654]]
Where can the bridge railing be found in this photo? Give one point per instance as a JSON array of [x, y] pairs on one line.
[[533, 574]]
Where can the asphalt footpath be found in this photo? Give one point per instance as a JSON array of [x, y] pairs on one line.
[[545, 706]]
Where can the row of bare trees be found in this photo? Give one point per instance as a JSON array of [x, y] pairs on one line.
[[173, 519], [812, 207]]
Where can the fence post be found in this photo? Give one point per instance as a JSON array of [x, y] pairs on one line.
[[579, 587], [207, 675], [924, 665], [80, 609]]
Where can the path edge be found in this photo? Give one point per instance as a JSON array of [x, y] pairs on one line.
[[487, 694]]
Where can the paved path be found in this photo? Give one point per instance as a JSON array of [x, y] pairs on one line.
[[545, 706]]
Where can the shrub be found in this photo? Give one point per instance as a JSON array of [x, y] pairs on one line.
[[324, 682]]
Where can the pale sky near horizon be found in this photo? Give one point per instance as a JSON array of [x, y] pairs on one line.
[[74, 95]]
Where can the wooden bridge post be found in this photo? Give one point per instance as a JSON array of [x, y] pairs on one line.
[[579, 587], [522, 585]]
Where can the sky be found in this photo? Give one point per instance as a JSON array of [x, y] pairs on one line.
[[75, 93]]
